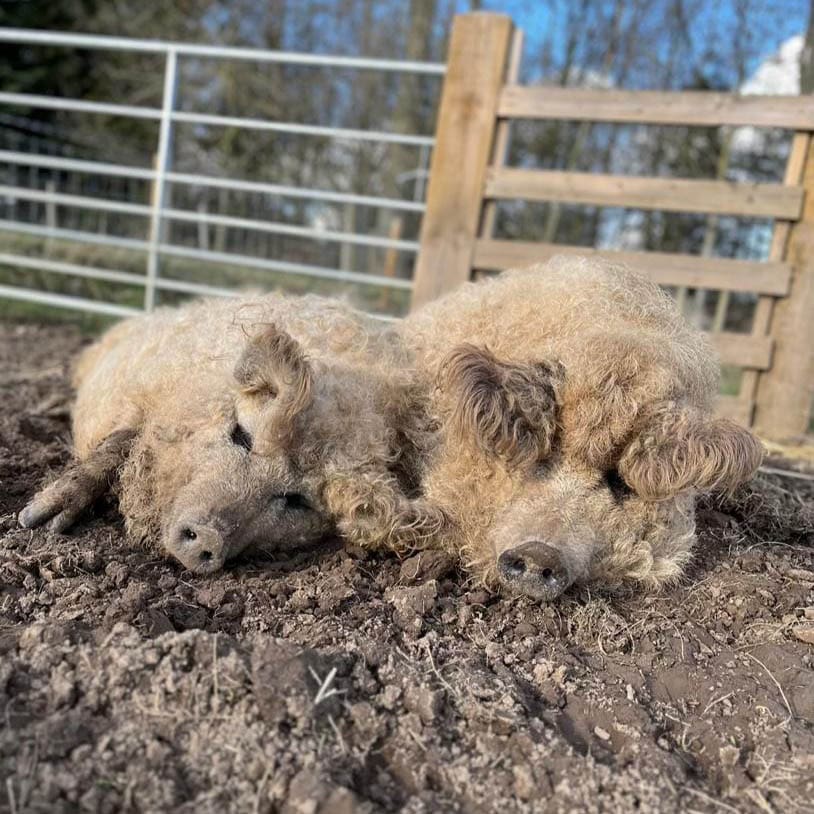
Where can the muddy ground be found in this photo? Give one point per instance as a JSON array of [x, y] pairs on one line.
[[340, 681]]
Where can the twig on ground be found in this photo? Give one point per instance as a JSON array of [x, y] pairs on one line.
[[786, 473], [325, 690], [707, 798], [776, 683]]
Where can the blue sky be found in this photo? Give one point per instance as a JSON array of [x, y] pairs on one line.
[[770, 23]]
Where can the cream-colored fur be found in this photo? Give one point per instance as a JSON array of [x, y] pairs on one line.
[[314, 388], [576, 409]]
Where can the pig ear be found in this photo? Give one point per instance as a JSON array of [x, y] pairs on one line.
[[371, 510], [273, 367], [679, 448], [510, 410]]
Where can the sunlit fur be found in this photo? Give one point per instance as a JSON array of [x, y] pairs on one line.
[[510, 409], [546, 381], [318, 387]]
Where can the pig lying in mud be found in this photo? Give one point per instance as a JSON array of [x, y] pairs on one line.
[[264, 421], [577, 427]]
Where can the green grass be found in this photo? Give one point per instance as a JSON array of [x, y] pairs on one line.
[[88, 324], [730, 380]]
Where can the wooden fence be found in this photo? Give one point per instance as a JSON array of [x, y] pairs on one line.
[[468, 175]]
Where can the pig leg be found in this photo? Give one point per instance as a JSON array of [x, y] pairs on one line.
[[373, 512], [80, 486]]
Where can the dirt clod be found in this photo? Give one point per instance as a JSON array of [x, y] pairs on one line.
[[426, 565]]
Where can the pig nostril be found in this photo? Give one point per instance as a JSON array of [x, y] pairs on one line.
[[512, 565], [205, 556], [188, 534]]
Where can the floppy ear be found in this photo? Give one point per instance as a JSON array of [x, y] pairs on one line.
[[274, 373], [371, 510], [679, 448], [509, 410]]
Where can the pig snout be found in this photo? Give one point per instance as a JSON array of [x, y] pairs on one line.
[[534, 568], [198, 547]]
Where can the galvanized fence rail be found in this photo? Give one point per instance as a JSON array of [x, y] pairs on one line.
[[162, 177]]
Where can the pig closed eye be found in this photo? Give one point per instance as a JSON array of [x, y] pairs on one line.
[[618, 488], [295, 501], [241, 438]]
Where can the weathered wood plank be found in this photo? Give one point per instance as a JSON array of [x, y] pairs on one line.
[[667, 194], [500, 148], [744, 350], [476, 66], [699, 108], [762, 319], [713, 273], [784, 395]]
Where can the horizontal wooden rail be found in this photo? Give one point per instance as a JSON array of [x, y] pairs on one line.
[[698, 108], [667, 194], [712, 273], [744, 350]]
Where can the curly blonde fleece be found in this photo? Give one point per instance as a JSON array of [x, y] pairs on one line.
[[373, 511], [545, 380], [679, 449], [508, 409], [317, 385], [274, 371]]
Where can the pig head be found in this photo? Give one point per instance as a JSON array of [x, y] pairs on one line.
[[555, 508], [291, 452]]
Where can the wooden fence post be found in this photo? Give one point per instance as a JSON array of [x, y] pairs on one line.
[[467, 116], [785, 391]]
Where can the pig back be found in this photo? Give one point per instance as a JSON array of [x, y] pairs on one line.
[[591, 315], [175, 366]]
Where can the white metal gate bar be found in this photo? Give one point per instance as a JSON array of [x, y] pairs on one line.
[[33, 100], [188, 179], [278, 228], [75, 165], [230, 258], [380, 136], [286, 266], [163, 284], [64, 301], [108, 275], [78, 201], [75, 235], [32, 36], [162, 177], [287, 191], [72, 269], [78, 105], [163, 159], [190, 216]]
